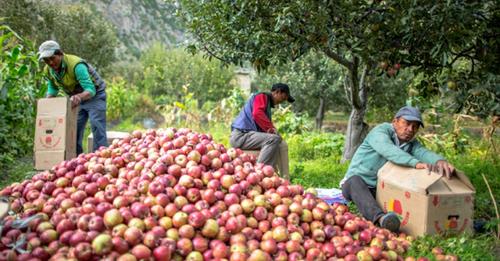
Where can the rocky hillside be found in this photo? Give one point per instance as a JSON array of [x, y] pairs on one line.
[[139, 23]]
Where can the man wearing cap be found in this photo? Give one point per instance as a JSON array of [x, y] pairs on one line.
[[393, 142], [253, 129], [81, 82]]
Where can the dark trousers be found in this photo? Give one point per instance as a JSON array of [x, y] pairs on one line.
[[95, 111], [356, 190]]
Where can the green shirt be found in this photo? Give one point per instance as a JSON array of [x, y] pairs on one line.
[[382, 145], [82, 76]]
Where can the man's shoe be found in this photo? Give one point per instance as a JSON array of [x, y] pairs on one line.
[[390, 221]]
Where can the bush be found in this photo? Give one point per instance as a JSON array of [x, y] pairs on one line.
[[19, 78], [288, 122], [314, 145], [122, 98]]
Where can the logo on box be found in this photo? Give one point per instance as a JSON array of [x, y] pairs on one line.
[[396, 207], [451, 224]]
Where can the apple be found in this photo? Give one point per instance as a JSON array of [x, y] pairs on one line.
[[102, 244], [112, 218]]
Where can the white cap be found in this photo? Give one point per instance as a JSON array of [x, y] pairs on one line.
[[47, 49]]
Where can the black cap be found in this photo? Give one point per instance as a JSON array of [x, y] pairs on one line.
[[284, 88]]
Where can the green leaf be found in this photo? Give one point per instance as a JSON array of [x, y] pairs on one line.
[[22, 70], [180, 105], [14, 55]]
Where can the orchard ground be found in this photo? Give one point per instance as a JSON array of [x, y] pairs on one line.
[[315, 162]]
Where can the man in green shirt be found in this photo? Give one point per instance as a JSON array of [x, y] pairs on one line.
[[81, 82], [393, 142]]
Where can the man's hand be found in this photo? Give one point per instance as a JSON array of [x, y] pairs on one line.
[[75, 100], [444, 168], [272, 131], [421, 165]]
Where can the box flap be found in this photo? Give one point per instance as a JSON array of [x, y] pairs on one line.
[[460, 175], [409, 178], [53, 106], [450, 186]]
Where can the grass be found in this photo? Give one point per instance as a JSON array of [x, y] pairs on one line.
[[22, 169], [318, 173], [467, 247]]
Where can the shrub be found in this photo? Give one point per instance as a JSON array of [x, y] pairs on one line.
[[288, 122], [122, 98], [19, 78], [314, 145]]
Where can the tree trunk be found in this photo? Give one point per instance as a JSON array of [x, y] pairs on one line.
[[356, 132], [320, 115], [357, 91]]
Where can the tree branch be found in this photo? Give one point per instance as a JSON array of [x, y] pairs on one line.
[[363, 92], [210, 53], [214, 55], [335, 56], [461, 54]]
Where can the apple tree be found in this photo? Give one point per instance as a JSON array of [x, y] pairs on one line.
[[364, 36], [171, 73]]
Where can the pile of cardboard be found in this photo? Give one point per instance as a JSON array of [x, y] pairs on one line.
[[55, 132]]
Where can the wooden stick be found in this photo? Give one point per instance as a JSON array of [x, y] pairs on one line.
[[494, 203]]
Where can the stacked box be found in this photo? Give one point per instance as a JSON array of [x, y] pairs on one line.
[[55, 132]]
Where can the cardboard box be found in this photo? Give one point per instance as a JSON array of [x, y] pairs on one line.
[[45, 160], [426, 203], [110, 135], [55, 132]]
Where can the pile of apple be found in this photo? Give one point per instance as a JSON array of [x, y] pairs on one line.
[[177, 195]]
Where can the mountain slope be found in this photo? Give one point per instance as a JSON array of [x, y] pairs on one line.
[[139, 23]]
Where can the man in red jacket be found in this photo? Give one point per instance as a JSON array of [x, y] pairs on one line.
[[253, 129]]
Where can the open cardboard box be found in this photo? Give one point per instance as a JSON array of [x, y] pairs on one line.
[[426, 202]]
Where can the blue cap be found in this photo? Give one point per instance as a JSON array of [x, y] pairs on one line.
[[410, 114]]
